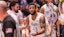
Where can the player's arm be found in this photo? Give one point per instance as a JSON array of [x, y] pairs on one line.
[[48, 27], [27, 27], [8, 28], [20, 16], [27, 23], [58, 27], [42, 24]]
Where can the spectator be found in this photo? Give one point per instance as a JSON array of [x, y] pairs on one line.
[[8, 3], [24, 11], [24, 3]]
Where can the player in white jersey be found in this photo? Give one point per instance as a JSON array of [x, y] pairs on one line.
[[17, 16], [36, 22], [60, 22], [50, 12]]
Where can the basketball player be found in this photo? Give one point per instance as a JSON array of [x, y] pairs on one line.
[[16, 14], [60, 22], [50, 11], [36, 22]]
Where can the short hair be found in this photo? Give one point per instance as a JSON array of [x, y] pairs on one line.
[[3, 5], [13, 3], [32, 4]]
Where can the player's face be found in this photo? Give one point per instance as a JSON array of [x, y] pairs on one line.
[[32, 9], [16, 7]]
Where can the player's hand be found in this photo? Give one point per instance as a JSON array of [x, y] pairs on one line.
[[58, 34], [34, 34], [22, 27]]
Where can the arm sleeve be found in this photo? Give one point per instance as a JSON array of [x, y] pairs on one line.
[[8, 29]]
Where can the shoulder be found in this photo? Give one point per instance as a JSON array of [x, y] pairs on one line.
[[43, 6], [9, 19], [42, 17], [9, 11], [55, 7], [28, 17]]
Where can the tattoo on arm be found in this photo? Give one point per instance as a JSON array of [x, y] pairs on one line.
[[42, 22]]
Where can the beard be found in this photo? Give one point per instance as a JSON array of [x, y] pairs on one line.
[[33, 13], [16, 11]]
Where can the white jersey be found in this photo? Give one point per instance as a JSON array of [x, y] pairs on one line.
[[61, 17], [35, 25], [61, 10], [19, 14], [51, 16], [16, 17], [49, 13]]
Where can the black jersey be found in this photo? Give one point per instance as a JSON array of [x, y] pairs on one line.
[[9, 26]]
